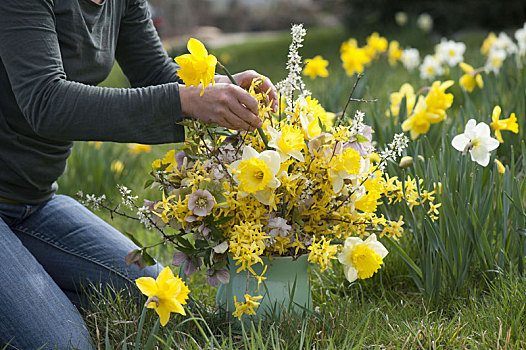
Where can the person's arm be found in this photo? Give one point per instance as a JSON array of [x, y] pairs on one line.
[[60, 109], [139, 50]]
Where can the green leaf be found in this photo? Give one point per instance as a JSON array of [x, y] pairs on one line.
[[148, 183], [361, 138]]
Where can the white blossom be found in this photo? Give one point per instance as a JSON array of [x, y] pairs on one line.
[[476, 140], [93, 201], [127, 199], [410, 58], [293, 81], [450, 52], [431, 67]]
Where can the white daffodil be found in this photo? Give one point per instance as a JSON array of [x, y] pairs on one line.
[[450, 52], [288, 142], [495, 60], [256, 173], [410, 58], [361, 259], [431, 67], [476, 140]]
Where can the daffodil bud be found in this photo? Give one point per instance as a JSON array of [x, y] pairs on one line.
[[500, 166], [406, 162]]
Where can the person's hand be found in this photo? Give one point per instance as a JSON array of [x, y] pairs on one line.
[[225, 104], [244, 79]]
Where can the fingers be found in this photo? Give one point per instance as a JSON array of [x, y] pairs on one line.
[[243, 118], [273, 94], [239, 109], [245, 79], [246, 99]]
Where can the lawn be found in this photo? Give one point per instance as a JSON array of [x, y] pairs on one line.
[[454, 282]]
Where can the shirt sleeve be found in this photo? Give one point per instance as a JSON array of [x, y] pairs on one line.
[[139, 50], [59, 109]]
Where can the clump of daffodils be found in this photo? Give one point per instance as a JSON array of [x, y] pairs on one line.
[[422, 111]]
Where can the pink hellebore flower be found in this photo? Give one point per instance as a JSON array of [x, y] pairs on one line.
[[201, 202]]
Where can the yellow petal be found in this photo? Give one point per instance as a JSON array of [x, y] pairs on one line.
[[164, 313], [147, 285], [174, 306], [479, 81], [197, 48], [465, 67], [165, 275], [446, 85], [496, 113]]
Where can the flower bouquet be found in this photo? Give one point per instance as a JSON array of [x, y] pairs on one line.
[[305, 184]]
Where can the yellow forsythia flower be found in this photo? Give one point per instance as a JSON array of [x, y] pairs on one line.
[[504, 124], [197, 67], [247, 307], [166, 294], [316, 67]]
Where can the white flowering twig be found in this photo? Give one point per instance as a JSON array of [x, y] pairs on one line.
[[293, 81]]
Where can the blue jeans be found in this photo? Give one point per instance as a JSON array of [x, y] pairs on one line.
[[46, 252]]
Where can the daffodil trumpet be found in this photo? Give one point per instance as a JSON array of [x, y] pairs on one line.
[[260, 131]]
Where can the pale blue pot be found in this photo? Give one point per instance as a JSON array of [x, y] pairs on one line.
[[287, 288]]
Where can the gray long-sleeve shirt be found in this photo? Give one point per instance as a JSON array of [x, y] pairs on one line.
[[52, 54]]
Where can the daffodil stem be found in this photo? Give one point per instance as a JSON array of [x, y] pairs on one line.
[[139, 329], [225, 70], [233, 81], [153, 333]]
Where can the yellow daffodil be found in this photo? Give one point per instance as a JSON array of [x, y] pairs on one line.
[[420, 121], [137, 148], [117, 167], [407, 91], [353, 58], [166, 294], [394, 54], [361, 259], [488, 43], [377, 43], [289, 142], [471, 78], [500, 167], [256, 173], [438, 101], [504, 124], [316, 67], [197, 67], [311, 114], [247, 307], [96, 144], [344, 166]]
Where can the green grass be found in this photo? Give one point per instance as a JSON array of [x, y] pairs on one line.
[[469, 293], [359, 316]]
